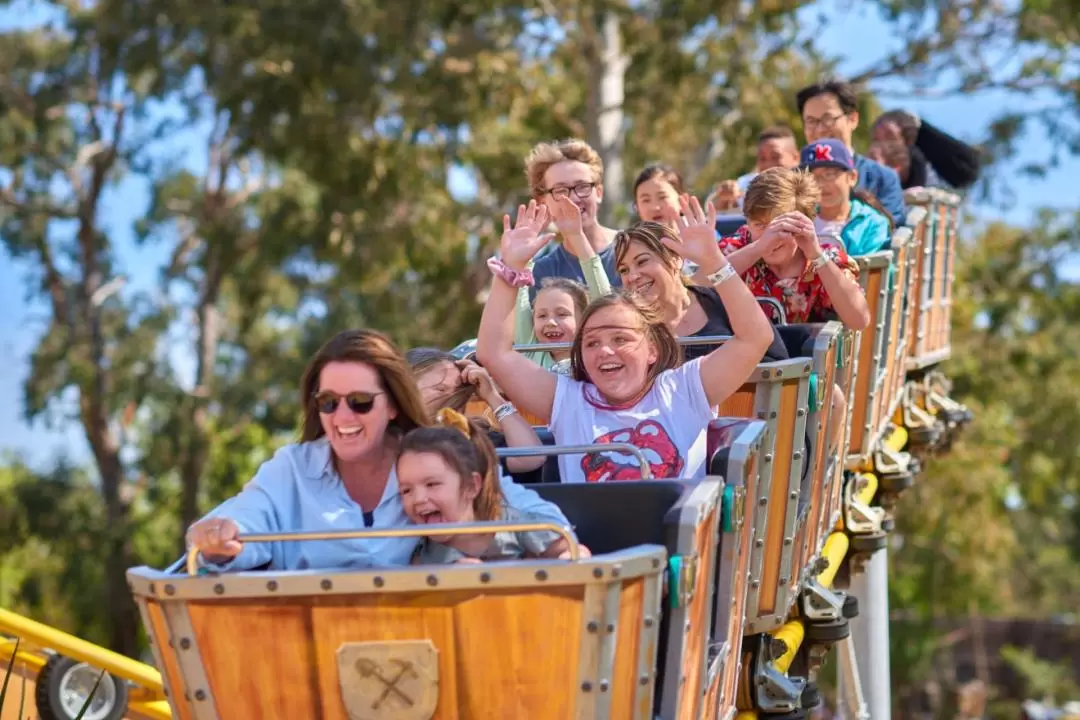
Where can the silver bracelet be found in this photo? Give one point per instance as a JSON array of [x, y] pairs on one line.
[[721, 275], [504, 411]]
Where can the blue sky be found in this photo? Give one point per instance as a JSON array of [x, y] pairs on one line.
[[864, 37]]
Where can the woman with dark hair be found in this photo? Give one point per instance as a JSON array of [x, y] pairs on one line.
[[359, 399]]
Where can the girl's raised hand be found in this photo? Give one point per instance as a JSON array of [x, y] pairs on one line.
[[697, 234], [520, 243]]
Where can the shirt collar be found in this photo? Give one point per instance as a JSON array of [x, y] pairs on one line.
[[319, 464]]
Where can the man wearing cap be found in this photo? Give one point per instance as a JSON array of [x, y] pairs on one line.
[[831, 110], [854, 218]]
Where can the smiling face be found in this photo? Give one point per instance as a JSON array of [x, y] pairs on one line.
[[433, 492], [576, 179], [616, 353], [554, 316], [823, 118], [353, 435], [654, 196], [835, 184], [645, 272]]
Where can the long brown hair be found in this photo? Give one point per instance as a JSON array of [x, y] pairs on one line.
[[371, 348], [657, 332], [423, 359], [464, 445]]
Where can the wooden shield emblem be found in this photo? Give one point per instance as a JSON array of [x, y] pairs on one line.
[[393, 680]]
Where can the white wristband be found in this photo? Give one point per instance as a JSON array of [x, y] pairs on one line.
[[721, 275]]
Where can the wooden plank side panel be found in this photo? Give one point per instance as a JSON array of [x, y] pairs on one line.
[[697, 615], [741, 578], [285, 680], [711, 709], [740, 404], [914, 282], [778, 496], [627, 645], [861, 410], [171, 674]]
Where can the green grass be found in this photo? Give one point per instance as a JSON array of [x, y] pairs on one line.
[[22, 695]]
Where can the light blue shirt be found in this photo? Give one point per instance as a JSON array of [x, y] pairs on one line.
[[299, 490]]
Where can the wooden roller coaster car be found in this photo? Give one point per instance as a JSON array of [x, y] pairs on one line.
[[650, 624]]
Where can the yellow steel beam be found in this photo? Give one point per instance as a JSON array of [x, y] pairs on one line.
[[78, 649]]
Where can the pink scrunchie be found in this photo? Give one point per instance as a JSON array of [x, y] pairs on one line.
[[510, 276]]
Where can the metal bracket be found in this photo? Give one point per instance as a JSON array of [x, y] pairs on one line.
[[775, 692], [888, 461], [820, 604], [860, 518]]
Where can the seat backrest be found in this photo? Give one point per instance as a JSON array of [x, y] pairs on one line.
[[613, 516], [546, 473], [799, 338]]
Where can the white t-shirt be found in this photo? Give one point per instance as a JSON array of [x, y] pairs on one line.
[[831, 229], [668, 424]]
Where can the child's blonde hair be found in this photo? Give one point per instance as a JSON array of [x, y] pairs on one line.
[[778, 190]]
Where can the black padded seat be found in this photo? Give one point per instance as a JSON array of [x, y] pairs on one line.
[[546, 473], [799, 338], [614, 516]]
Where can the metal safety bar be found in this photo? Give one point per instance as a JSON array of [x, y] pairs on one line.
[[549, 450], [478, 528], [693, 340]]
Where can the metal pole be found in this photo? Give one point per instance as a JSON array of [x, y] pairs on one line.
[[870, 634]]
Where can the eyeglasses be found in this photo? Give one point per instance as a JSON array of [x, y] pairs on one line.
[[581, 190], [359, 402], [822, 122]]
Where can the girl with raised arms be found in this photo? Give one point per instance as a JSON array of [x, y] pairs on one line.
[[628, 381]]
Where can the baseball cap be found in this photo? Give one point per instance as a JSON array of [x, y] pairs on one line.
[[829, 152]]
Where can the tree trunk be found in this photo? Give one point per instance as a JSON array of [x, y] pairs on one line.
[[604, 121], [123, 616]]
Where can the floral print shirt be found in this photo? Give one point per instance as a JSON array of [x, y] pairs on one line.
[[804, 298]]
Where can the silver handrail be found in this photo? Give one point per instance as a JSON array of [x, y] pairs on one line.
[[691, 340], [774, 303], [549, 450]]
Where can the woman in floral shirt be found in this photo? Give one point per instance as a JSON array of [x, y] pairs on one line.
[[779, 256]]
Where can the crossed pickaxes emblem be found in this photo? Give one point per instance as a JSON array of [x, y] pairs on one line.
[[392, 680], [368, 669]]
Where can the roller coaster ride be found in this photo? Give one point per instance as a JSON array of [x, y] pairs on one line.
[[710, 599]]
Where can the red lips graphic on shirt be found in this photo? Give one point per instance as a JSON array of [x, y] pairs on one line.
[[651, 437]]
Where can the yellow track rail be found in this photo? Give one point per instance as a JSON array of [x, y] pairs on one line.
[[147, 700]]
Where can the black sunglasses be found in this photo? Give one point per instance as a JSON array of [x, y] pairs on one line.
[[359, 402]]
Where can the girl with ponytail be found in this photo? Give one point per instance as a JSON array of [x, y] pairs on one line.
[[449, 474]]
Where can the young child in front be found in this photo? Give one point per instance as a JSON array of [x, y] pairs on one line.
[[449, 474]]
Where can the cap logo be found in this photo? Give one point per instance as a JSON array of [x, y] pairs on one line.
[[823, 153]]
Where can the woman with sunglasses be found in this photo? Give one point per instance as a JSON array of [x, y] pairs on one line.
[[359, 398]]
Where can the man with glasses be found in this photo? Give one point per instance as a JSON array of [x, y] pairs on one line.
[[830, 109], [568, 177]]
